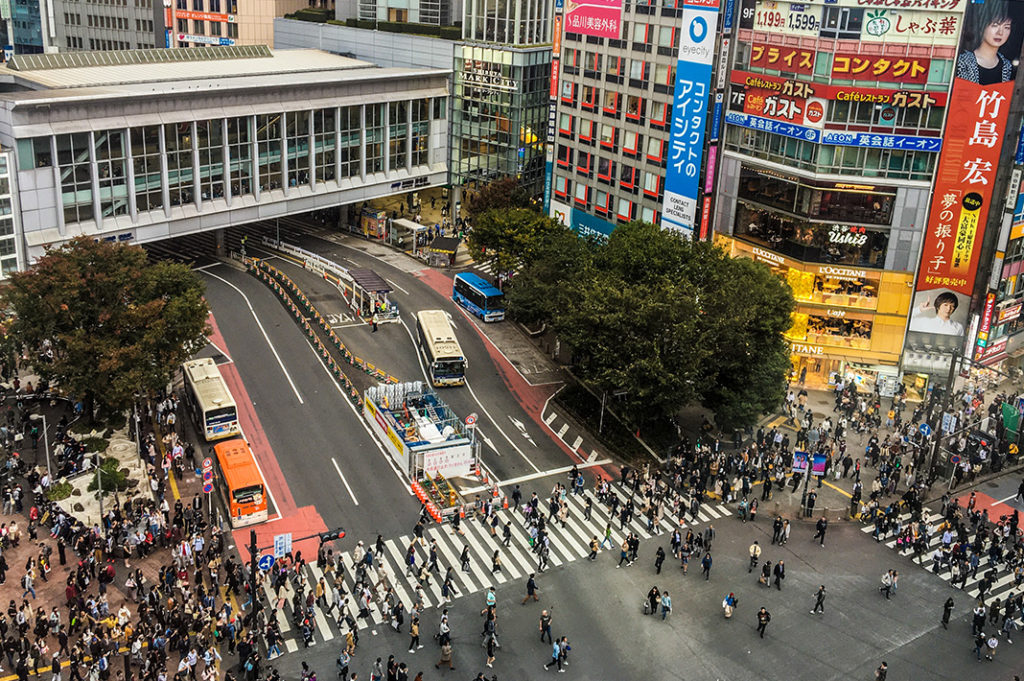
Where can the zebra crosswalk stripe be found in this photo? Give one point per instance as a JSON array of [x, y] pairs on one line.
[[567, 544]]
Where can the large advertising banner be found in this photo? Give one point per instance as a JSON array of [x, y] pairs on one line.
[[689, 114], [878, 67], [600, 18], [796, 60], [975, 126]]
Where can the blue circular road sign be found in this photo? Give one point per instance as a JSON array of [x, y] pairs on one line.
[[925, 429], [208, 487], [265, 562]]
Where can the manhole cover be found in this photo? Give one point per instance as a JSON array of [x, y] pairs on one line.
[[991, 485]]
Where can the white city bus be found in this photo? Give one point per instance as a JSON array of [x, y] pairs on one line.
[[446, 364], [208, 397]]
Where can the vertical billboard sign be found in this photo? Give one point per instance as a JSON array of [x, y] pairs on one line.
[[975, 125], [556, 61], [600, 18], [689, 114]]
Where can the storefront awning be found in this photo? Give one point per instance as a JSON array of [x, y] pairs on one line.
[[444, 244]]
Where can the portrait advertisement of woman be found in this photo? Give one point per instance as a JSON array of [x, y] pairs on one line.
[[990, 44]]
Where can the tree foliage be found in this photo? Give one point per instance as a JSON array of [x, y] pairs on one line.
[[113, 323], [502, 194], [662, 321], [508, 238]]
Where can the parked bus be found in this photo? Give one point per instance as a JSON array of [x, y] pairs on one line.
[[240, 483], [479, 297], [210, 400], [446, 364]]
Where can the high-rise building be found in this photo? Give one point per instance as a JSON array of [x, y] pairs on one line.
[[808, 135], [119, 25]]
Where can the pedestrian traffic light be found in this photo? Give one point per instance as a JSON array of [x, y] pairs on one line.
[[332, 535]]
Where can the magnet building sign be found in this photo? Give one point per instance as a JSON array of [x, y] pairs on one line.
[[976, 122]]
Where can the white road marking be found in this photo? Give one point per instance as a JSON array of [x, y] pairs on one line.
[[205, 267], [359, 417], [265, 336], [396, 286], [576, 443], [342, 476], [538, 475], [551, 417], [562, 430], [593, 456]]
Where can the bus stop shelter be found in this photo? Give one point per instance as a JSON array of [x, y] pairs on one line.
[[408, 235], [370, 295], [442, 250]]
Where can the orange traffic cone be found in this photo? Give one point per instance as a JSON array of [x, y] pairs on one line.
[[462, 511], [504, 503]]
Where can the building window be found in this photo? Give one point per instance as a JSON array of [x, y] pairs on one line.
[[634, 107], [605, 170], [842, 22], [608, 136], [323, 143], [561, 186], [582, 193], [589, 99], [652, 183], [602, 201], [374, 138], [660, 115], [111, 155], [420, 132], [240, 149], [348, 145], [268, 140], [565, 121], [611, 102], [639, 73], [583, 163], [75, 177], [569, 92], [298, 148], [655, 149], [631, 143], [146, 164], [649, 215], [210, 138], [625, 210], [613, 66], [178, 138], [627, 176], [397, 133], [564, 156], [586, 130]]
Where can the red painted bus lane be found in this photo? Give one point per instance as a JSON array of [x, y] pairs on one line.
[[299, 521]]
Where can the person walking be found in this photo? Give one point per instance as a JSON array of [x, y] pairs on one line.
[[886, 587], [666, 605], [531, 589], [446, 656], [414, 635], [594, 545], [705, 566], [545, 625], [882, 671], [819, 601], [624, 554], [763, 618], [947, 611], [659, 559], [819, 530], [780, 574], [556, 657], [490, 650]]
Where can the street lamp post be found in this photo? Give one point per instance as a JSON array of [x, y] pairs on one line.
[[46, 443]]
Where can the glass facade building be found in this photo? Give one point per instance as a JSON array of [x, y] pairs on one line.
[[157, 157], [499, 114]]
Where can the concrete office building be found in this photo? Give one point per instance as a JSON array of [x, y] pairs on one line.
[[133, 146], [613, 120], [110, 25]]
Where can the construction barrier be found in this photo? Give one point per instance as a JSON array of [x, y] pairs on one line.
[[287, 291]]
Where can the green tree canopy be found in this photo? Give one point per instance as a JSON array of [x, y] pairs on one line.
[[507, 238], [502, 194], [667, 321], [114, 324]]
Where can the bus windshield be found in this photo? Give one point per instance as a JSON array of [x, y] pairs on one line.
[[248, 495], [449, 368]]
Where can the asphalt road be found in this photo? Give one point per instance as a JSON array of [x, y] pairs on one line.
[[514, 445], [599, 608], [310, 436]]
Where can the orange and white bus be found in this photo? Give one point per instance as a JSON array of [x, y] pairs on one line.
[[240, 482]]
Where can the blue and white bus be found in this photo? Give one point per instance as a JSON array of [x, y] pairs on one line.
[[479, 297]]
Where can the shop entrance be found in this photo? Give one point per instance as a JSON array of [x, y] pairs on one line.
[[814, 373]]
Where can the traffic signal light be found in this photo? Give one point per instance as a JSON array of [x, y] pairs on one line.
[[332, 535]]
